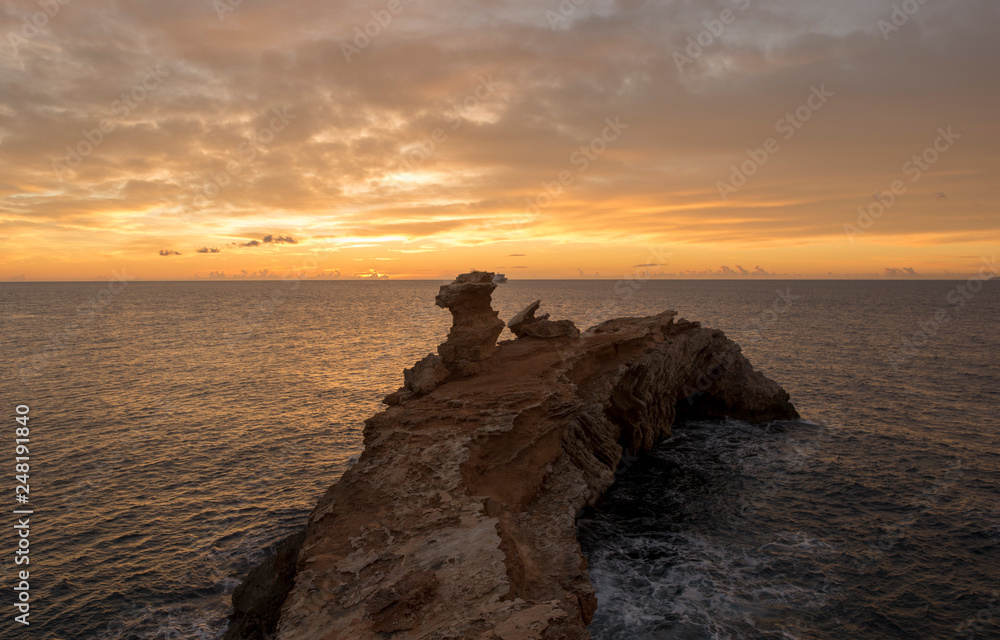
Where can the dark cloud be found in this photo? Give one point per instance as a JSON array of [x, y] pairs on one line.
[[269, 239], [169, 252], [208, 250]]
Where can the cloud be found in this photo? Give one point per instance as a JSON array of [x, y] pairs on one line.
[[269, 239], [516, 255], [208, 250], [169, 252], [341, 164], [371, 274], [242, 274], [17, 278], [721, 272], [641, 266], [905, 272]]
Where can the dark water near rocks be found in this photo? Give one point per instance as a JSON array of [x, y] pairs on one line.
[[178, 429]]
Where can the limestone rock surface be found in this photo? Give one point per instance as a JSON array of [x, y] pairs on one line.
[[459, 519]]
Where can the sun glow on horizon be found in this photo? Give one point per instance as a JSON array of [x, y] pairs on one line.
[[575, 148]]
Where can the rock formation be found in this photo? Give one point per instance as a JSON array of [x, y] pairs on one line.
[[426, 375], [526, 324], [476, 327], [459, 519], [473, 336], [257, 601]]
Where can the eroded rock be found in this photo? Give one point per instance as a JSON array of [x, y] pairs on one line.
[[551, 329], [525, 316], [459, 519], [425, 375], [475, 327], [525, 324]]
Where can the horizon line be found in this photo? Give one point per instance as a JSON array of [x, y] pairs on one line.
[[943, 278]]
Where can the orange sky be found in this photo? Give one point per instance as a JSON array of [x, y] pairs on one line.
[[728, 138]]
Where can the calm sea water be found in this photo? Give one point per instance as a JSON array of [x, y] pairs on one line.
[[179, 429]]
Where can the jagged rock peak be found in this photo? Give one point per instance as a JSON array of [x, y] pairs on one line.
[[476, 325], [526, 324], [526, 316]]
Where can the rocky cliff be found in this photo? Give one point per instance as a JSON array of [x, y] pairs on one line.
[[459, 519]]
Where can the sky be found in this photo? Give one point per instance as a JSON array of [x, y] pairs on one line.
[[219, 139]]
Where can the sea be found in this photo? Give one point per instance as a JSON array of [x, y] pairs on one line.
[[180, 429]]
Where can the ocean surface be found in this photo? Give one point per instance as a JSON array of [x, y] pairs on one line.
[[179, 429]]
